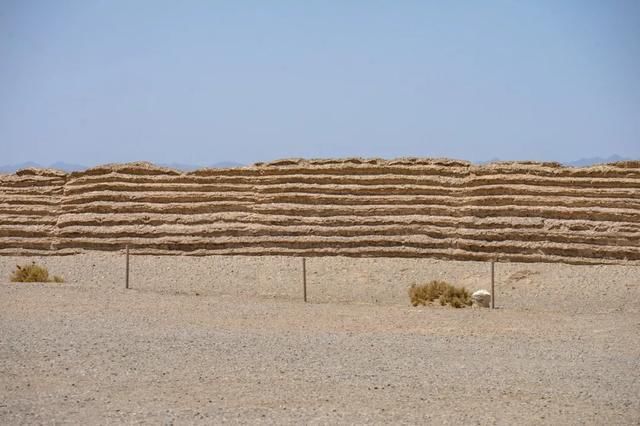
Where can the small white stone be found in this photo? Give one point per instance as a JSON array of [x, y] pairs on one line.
[[481, 298]]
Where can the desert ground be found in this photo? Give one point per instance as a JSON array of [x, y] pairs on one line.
[[229, 340]]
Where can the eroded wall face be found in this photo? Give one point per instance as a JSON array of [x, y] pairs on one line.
[[29, 210], [412, 208]]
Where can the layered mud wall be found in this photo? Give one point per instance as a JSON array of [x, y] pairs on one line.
[[29, 210], [530, 212]]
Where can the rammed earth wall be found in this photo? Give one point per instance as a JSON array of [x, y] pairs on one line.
[[516, 211]]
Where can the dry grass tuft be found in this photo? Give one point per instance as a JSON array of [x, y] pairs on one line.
[[445, 293], [33, 274]]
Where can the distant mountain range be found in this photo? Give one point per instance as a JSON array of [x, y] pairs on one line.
[[69, 167], [597, 160], [190, 167], [583, 162]]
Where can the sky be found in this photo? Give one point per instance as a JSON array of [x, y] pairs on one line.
[[199, 82]]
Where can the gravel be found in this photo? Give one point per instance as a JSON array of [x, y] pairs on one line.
[[227, 339]]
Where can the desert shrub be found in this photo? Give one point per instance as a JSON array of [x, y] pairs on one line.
[[445, 293], [33, 274]]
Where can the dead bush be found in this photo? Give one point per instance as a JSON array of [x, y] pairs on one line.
[[445, 293], [33, 273]]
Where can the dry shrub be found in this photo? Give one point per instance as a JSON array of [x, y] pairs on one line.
[[445, 293], [33, 274]]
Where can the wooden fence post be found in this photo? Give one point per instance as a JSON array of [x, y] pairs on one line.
[[126, 282], [493, 278], [304, 279]]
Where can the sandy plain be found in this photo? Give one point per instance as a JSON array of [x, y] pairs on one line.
[[228, 340]]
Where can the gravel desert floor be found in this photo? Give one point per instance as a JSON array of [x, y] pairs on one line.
[[222, 339]]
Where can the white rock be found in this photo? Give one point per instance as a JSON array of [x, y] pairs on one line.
[[481, 298]]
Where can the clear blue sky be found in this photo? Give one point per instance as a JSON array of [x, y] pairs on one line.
[[205, 81]]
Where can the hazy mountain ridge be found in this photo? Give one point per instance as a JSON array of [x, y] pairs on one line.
[[597, 160], [583, 162], [70, 167]]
